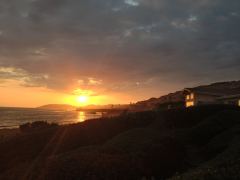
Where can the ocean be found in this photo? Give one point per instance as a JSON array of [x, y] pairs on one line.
[[13, 117]]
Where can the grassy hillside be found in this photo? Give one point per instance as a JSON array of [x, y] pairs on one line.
[[194, 143]]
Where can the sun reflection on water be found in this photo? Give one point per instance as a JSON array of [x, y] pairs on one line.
[[81, 116]]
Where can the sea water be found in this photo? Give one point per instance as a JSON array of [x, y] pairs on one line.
[[13, 117]]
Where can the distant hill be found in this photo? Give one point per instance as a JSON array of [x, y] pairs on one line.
[[69, 107], [63, 107], [173, 99], [108, 106]]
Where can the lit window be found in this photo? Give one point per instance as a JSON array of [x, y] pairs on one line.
[[239, 102], [192, 96], [189, 104], [188, 97]]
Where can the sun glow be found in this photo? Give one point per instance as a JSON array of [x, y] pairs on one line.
[[82, 99]]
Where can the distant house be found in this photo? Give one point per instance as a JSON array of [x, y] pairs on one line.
[[200, 96], [230, 99]]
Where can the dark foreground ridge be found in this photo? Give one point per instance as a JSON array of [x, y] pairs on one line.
[[195, 143]]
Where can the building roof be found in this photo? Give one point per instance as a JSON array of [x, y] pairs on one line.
[[218, 89], [203, 92]]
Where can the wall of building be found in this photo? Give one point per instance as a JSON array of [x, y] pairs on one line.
[[205, 99], [194, 99], [190, 100], [233, 101]]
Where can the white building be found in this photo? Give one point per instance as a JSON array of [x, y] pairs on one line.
[[195, 97]]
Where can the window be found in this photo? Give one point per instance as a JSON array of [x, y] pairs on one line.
[[188, 97], [192, 96], [189, 104], [239, 102]]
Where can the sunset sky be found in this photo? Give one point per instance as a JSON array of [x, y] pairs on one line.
[[113, 51]]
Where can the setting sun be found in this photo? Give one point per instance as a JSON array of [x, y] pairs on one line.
[[82, 99]]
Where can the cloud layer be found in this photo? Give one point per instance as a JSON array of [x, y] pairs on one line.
[[119, 46]]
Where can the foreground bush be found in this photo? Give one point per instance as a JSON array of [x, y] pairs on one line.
[[193, 143], [37, 125]]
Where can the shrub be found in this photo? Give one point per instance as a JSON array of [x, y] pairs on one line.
[[37, 125]]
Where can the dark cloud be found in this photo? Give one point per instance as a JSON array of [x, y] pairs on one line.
[[148, 42]]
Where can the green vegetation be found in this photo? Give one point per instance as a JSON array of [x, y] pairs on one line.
[[194, 143]]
